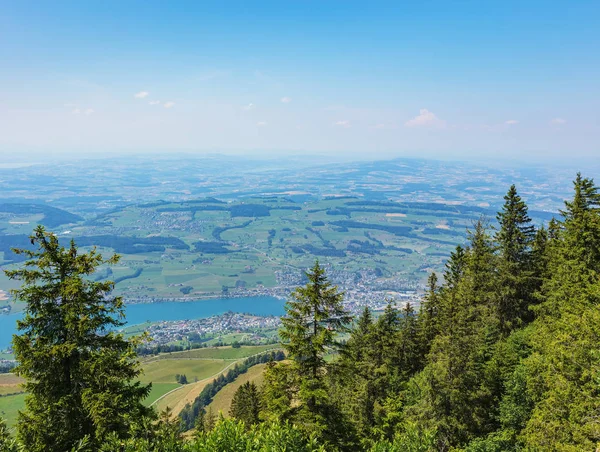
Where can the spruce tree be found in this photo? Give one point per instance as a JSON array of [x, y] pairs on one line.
[[516, 285], [314, 316], [351, 379], [81, 376], [561, 375], [451, 395], [429, 312], [409, 348], [246, 404]]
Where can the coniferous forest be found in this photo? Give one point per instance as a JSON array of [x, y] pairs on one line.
[[503, 354]]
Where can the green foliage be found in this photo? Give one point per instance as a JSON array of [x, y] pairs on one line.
[[412, 439], [246, 404], [181, 379], [313, 318], [517, 284], [563, 371], [81, 375]]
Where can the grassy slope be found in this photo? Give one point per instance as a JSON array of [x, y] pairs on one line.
[[159, 389], [12, 399], [222, 400], [164, 370], [10, 406]]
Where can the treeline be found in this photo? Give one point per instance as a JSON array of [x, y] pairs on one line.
[[133, 275], [7, 367], [132, 245], [502, 355], [211, 247], [52, 216], [121, 244], [191, 412]]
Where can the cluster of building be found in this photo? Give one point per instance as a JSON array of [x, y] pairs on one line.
[[201, 329]]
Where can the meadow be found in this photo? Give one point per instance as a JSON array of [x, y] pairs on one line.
[[222, 401]]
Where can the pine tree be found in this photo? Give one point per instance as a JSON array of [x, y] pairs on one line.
[[451, 395], [351, 379], [516, 285], [408, 344], [314, 316], [246, 404], [454, 267], [358, 344], [562, 373], [199, 424], [81, 376], [429, 312], [210, 420]]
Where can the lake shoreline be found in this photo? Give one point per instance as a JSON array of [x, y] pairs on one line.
[[141, 313]]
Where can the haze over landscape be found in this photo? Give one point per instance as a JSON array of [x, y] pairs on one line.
[[299, 226]]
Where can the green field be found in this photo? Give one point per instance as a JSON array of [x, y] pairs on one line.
[[158, 390], [9, 407], [164, 370], [222, 400], [220, 353]]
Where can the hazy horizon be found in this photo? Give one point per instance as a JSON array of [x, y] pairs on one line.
[[502, 81]]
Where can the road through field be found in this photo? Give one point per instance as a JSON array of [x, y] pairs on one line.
[[188, 393]]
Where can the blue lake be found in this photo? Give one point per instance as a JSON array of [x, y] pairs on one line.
[[154, 312]]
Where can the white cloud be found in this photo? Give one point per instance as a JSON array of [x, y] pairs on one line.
[[248, 107], [511, 122], [558, 121], [141, 95], [169, 104], [286, 100], [261, 123], [77, 111], [425, 118], [89, 111], [154, 102], [343, 123]]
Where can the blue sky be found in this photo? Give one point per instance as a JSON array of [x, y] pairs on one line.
[[508, 80]]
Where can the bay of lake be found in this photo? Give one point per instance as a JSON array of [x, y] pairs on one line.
[[136, 314]]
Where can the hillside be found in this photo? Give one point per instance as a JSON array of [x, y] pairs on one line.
[[222, 400]]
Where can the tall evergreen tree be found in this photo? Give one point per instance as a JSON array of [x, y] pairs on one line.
[[246, 404], [454, 267], [429, 313], [516, 285], [81, 376], [451, 394], [563, 370], [351, 378], [314, 316], [409, 349]]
